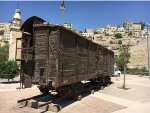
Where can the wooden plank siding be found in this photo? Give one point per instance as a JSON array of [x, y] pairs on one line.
[[67, 57], [71, 57], [81, 59], [40, 48]]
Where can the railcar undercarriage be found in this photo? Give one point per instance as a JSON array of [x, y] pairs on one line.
[[76, 87]]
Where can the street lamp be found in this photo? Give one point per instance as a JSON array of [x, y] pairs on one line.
[[62, 8], [148, 48]]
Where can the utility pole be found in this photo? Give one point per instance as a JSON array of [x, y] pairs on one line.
[[62, 8], [148, 49], [124, 69]]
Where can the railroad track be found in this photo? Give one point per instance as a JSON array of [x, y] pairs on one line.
[[51, 102], [45, 102]]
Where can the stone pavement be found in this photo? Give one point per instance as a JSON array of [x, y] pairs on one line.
[[136, 98], [117, 100], [140, 108], [91, 104], [112, 99]]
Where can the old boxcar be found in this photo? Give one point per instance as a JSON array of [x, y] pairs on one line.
[[59, 59]]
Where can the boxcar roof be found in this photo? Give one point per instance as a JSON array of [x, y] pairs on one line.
[[58, 26], [28, 24], [38, 22]]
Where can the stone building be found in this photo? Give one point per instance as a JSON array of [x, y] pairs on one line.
[[68, 25], [89, 30], [110, 30], [5, 33], [128, 25], [136, 30], [132, 36], [14, 34], [89, 34]]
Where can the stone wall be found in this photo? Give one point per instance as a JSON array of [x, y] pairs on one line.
[[15, 33], [138, 56]]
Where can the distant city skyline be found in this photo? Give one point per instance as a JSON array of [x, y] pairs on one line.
[[82, 14]]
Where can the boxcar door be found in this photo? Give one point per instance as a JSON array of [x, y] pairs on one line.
[[27, 59]]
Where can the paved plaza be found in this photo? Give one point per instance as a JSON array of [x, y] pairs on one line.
[[112, 99]]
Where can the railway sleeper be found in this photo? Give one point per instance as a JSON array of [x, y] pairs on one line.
[[32, 103], [47, 106], [51, 107]]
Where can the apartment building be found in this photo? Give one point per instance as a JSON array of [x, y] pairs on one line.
[[136, 30], [128, 25], [89, 34], [68, 25], [5, 28], [89, 30], [120, 30]]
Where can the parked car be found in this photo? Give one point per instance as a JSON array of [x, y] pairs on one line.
[[117, 72]]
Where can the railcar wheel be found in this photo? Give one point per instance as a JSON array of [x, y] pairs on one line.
[[44, 90], [102, 87], [92, 91], [64, 91]]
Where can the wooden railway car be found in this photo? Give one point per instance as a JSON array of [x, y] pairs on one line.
[[59, 59]]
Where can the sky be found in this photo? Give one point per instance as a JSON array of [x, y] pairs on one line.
[[82, 14]]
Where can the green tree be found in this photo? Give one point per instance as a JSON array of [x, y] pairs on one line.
[[122, 60], [107, 34], [118, 35], [120, 42], [142, 25], [130, 33], [4, 53], [118, 26], [80, 32], [9, 69], [111, 42], [2, 32]]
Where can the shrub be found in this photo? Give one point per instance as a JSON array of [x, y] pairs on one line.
[[137, 71], [9, 69], [111, 42], [118, 35], [107, 34], [120, 42], [4, 53], [2, 32]]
